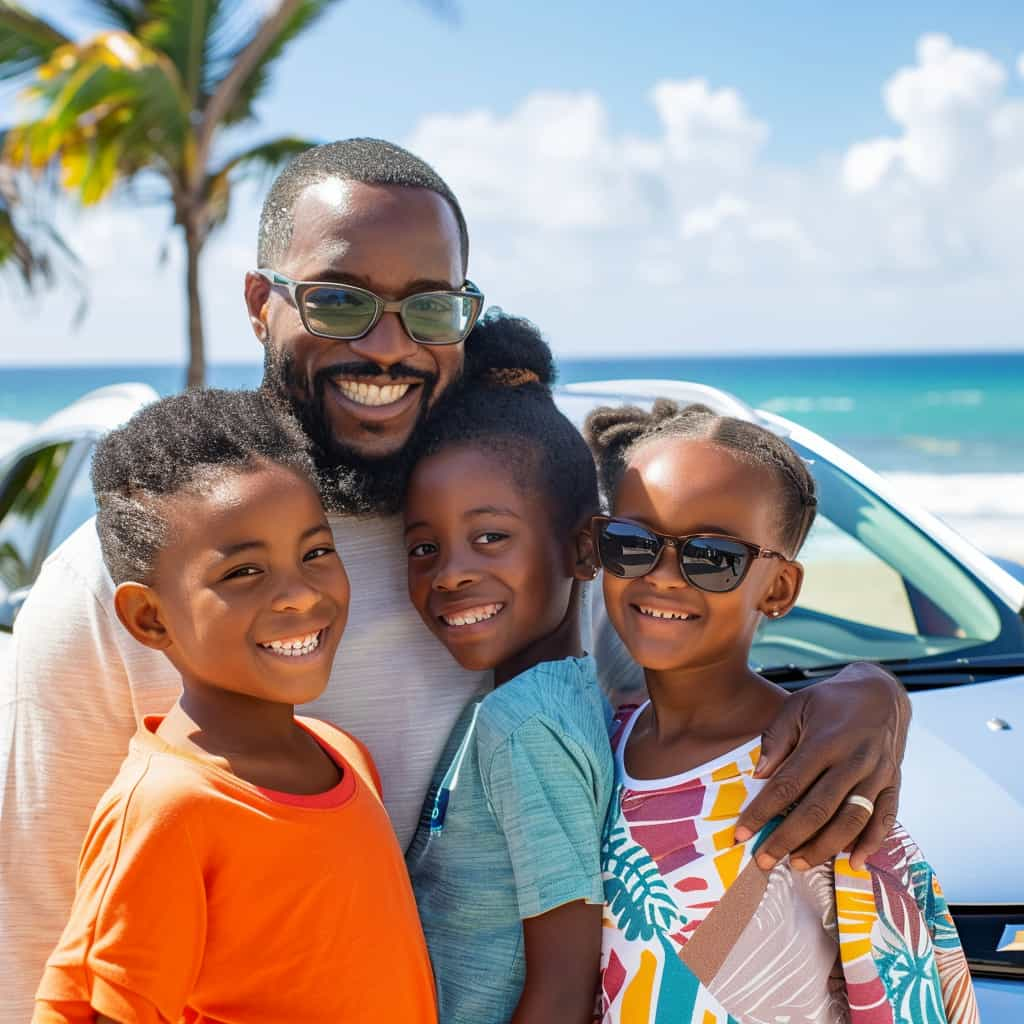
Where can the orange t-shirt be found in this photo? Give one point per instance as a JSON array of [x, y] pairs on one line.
[[202, 898]]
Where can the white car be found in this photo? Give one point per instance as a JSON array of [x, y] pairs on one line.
[[885, 582], [45, 493]]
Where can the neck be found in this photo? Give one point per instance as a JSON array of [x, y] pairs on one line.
[[224, 723], [722, 700], [564, 642]]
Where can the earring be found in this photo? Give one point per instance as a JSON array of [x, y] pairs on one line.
[[774, 613]]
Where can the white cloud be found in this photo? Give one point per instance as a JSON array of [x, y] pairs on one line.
[[888, 244], [706, 128], [945, 105], [683, 238]]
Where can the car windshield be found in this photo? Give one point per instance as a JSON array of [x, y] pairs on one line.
[[876, 588]]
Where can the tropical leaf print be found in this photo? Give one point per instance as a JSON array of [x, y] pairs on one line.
[[906, 964], [637, 896]]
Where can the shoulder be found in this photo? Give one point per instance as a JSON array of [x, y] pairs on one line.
[[561, 693], [74, 589], [351, 750], [152, 803], [79, 559], [552, 712]]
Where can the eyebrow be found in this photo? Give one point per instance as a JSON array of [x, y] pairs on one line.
[[480, 510], [247, 545], [421, 284]]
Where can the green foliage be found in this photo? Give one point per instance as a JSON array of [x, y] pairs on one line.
[[636, 894], [25, 41], [305, 16], [147, 94]]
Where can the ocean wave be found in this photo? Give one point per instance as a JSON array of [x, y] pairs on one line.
[[963, 397], [809, 403], [975, 495]]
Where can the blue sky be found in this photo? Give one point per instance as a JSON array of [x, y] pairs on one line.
[[762, 177]]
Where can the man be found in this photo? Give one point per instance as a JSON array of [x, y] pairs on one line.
[[366, 214]]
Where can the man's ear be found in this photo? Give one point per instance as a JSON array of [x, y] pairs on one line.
[[138, 608], [784, 591], [257, 292], [584, 566]]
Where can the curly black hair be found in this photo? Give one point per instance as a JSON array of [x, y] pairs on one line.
[[370, 161], [175, 445], [505, 408], [616, 432]]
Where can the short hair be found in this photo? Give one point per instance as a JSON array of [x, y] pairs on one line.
[[171, 446], [369, 161], [504, 407], [616, 433]]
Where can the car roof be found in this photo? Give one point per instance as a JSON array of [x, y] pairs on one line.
[[94, 413]]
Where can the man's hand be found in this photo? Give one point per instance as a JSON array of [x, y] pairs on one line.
[[836, 739]]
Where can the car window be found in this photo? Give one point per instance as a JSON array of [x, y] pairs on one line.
[[24, 508], [875, 587], [79, 505]]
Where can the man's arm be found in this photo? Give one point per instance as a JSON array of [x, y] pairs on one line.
[[66, 716], [563, 959], [841, 737]]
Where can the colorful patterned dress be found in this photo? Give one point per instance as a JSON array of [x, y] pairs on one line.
[[696, 933]]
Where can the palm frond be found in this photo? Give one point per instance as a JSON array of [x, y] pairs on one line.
[[26, 40], [187, 31], [30, 247], [112, 107], [305, 16], [263, 160], [126, 15]]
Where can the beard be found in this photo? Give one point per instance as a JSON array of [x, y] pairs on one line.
[[350, 483]]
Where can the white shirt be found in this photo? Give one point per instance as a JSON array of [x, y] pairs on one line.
[[76, 685]]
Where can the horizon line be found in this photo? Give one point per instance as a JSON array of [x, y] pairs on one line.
[[600, 358]]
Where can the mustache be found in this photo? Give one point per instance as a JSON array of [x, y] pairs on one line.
[[399, 371]]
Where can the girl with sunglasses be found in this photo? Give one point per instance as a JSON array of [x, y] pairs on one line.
[[708, 516]]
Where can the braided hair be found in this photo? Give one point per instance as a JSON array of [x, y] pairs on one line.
[[504, 407], [616, 433]]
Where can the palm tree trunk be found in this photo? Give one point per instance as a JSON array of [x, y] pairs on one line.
[[196, 377]]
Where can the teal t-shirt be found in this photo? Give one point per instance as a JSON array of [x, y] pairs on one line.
[[511, 829]]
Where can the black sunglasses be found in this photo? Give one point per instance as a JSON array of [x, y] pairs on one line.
[[708, 561], [344, 312]]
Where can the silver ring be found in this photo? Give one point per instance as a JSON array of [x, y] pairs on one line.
[[861, 801]]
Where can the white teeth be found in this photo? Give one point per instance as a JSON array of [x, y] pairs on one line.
[[371, 394], [294, 648], [657, 613], [472, 615]]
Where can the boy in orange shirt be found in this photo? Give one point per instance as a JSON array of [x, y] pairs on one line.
[[241, 867]]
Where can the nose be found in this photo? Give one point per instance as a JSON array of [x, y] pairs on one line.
[[454, 574], [666, 574], [387, 344], [296, 595]]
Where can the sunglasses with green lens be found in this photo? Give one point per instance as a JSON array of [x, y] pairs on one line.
[[344, 312]]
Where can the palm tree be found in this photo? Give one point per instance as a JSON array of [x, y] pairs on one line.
[[147, 98]]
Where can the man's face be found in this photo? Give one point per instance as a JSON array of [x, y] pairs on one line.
[[361, 400]]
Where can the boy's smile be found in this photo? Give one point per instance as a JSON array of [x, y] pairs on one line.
[[486, 572], [251, 593]]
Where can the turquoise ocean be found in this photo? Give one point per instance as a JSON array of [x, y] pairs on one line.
[[950, 427]]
